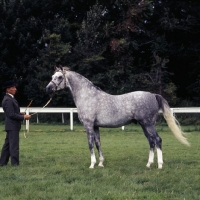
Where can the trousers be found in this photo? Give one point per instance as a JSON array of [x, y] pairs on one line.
[[10, 149]]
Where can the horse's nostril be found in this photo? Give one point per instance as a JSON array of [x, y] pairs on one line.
[[48, 89]]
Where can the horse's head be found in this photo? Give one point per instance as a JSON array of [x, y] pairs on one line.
[[58, 81]]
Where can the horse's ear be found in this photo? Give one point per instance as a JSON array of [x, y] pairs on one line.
[[61, 67], [55, 68]]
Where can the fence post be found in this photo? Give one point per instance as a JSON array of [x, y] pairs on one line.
[[37, 119], [27, 121], [63, 120], [71, 119]]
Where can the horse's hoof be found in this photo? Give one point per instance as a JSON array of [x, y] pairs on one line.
[[149, 164], [159, 166], [91, 167], [100, 165]]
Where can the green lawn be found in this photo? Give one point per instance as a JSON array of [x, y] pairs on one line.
[[55, 165]]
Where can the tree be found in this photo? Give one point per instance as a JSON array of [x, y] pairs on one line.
[[23, 40], [179, 21], [121, 46]]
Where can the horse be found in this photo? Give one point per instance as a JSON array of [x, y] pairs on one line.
[[97, 108]]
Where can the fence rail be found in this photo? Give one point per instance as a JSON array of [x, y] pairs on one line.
[[71, 111], [36, 110]]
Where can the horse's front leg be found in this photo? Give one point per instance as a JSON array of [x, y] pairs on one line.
[[98, 146], [91, 135], [93, 158]]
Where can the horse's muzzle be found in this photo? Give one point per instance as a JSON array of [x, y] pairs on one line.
[[49, 89]]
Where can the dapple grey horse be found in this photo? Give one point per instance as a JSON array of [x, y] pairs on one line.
[[97, 109]]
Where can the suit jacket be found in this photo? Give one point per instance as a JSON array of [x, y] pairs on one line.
[[12, 113]]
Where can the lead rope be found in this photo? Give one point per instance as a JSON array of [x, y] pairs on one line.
[[25, 134], [43, 106], [25, 113]]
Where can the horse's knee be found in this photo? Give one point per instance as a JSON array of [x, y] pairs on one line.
[[90, 141], [90, 145]]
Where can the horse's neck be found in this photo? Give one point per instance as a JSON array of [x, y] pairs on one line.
[[77, 82], [78, 85]]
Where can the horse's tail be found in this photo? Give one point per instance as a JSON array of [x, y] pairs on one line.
[[171, 120]]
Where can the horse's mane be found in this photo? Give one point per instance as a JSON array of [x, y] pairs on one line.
[[65, 68]]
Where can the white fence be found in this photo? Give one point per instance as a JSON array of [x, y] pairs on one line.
[[71, 111], [35, 110]]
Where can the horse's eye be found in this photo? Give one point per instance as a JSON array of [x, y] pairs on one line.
[[60, 77]]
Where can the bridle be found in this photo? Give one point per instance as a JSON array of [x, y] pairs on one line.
[[56, 85]]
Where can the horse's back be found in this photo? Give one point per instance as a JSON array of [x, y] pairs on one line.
[[141, 104], [117, 110]]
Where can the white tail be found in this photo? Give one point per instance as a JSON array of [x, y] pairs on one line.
[[171, 120], [174, 125]]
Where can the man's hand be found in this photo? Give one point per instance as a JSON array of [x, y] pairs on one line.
[[27, 117]]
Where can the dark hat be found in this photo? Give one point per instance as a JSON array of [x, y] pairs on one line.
[[9, 84]]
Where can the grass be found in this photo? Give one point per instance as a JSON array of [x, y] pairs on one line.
[[54, 164]]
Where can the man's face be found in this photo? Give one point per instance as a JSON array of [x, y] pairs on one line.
[[11, 90]]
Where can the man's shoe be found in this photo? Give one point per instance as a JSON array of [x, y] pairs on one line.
[[15, 165]]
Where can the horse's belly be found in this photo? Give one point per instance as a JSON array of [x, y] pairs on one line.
[[112, 120]]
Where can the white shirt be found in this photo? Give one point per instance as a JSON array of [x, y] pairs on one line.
[[10, 95]]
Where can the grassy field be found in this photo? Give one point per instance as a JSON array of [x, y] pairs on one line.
[[55, 165]]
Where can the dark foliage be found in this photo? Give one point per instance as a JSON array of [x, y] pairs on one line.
[[121, 46]]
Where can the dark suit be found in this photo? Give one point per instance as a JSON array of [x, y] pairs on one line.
[[13, 120]]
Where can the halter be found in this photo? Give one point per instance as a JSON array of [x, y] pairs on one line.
[[56, 85]]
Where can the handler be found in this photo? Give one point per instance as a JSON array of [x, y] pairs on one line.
[[13, 119]]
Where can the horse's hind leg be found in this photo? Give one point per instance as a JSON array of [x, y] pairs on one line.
[[98, 146], [154, 139], [159, 150], [151, 157]]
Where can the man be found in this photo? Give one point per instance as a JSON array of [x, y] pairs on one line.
[[13, 119]]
